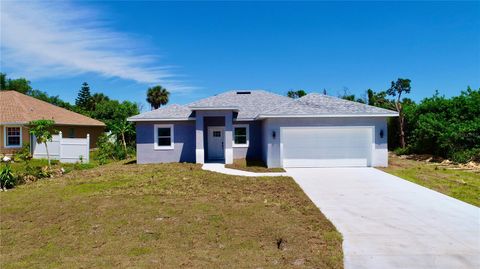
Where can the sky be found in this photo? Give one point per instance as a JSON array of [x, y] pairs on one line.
[[198, 49]]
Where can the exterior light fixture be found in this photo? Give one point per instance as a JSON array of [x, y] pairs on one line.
[[274, 134], [381, 133]]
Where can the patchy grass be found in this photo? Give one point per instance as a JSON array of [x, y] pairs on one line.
[[167, 215], [252, 166], [460, 184]]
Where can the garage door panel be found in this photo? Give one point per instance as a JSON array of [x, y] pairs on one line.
[[326, 147]]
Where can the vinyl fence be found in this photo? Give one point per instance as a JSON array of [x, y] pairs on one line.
[[66, 150]]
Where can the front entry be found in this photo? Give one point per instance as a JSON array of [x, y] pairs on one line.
[[216, 140]]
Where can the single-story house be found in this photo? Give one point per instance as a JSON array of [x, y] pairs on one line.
[[313, 131], [17, 110]]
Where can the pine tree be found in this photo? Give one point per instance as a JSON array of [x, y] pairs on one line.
[[84, 98]]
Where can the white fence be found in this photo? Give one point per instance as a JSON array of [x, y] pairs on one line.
[[66, 150]]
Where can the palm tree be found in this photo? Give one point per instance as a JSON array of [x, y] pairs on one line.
[[157, 96]]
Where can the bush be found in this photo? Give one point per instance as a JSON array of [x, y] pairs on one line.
[[7, 178], [466, 156], [108, 150], [402, 151]]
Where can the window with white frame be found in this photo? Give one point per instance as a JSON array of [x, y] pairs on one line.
[[13, 136], [163, 136], [240, 135]]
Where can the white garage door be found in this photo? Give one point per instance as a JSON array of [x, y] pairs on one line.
[[326, 146]]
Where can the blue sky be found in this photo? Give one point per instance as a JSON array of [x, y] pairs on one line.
[[197, 49]]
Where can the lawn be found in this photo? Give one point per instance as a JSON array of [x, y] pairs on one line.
[[166, 215], [256, 166], [460, 184]]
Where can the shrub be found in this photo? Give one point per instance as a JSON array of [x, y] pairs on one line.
[[7, 178], [108, 150], [466, 156], [402, 151]]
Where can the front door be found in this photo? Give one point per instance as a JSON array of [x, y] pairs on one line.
[[216, 142]]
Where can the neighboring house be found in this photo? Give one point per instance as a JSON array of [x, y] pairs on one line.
[[17, 110], [313, 131]]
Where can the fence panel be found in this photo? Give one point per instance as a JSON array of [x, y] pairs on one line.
[[66, 150]]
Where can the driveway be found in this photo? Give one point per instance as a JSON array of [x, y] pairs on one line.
[[388, 222]]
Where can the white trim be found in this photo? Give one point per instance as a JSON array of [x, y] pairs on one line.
[[247, 126], [372, 128], [155, 137], [5, 137], [199, 156], [244, 119], [327, 116], [164, 119]]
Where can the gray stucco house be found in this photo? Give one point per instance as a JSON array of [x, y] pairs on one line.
[[313, 131]]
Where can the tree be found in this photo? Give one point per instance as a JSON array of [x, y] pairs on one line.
[[43, 132], [397, 88], [157, 96], [84, 98], [21, 85], [296, 94], [122, 129]]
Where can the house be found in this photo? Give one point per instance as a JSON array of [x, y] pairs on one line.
[[17, 110], [313, 131]]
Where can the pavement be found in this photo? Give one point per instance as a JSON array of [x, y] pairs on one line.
[[388, 222], [220, 168]]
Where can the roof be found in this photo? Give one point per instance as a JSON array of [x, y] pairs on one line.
[[18, 108], [262, 104], [248, 103], [170, 112], [317, 105]]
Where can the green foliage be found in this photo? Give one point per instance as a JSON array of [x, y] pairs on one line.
[[24, 154], [402, 151], [21, 85], [84, 98], [54, 100], [43, 132], [111, 150], [7, 178], [399, 87], [157, 96], [447, 127], [296, 94]]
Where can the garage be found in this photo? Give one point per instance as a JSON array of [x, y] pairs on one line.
[[326, 146]]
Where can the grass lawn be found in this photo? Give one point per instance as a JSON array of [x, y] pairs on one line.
[[460, 184], [164, 216], [252, 166]]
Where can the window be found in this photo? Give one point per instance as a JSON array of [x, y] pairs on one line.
[[217, 133], [71, 133], [240, 135], [13, 137], [163, 136]]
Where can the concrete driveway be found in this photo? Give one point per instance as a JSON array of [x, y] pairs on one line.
[[388, 222]]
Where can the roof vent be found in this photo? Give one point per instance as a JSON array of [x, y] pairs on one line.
[[244, 92]]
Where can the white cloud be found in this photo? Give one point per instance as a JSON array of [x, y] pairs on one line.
[[51, 39]]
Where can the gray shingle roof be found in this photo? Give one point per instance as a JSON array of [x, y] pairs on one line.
[[248, 105], [265, 104], [167, 112], [319, 104]]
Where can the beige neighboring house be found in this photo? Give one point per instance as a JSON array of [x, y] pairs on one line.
[[17, 110]]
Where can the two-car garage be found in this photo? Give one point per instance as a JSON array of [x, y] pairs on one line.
[[326, 146]]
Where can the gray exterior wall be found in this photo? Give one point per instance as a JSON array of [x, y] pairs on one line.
[[271, 146], [184, 143], [254, 149]]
